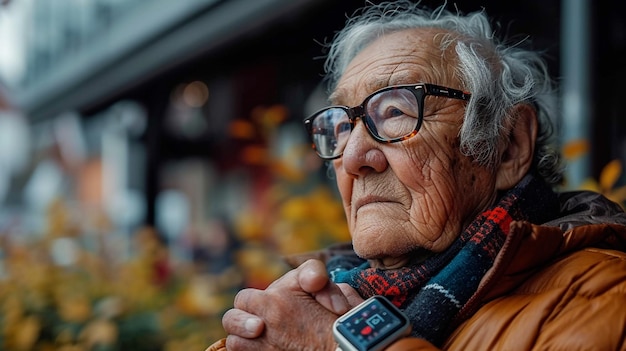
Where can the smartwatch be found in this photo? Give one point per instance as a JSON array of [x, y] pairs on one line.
[[372, 325]]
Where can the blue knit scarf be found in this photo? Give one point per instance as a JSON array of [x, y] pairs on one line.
[[432, 292]]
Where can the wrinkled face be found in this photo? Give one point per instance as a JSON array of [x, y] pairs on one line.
[[401, 198]]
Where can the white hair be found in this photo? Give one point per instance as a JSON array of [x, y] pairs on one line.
[[498, 75]]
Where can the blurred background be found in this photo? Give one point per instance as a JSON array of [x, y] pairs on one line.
[[153, 161]]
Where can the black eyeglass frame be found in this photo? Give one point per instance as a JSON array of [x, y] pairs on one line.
[[419, 90]]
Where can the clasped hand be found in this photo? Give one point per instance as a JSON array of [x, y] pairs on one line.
[[295, 312]]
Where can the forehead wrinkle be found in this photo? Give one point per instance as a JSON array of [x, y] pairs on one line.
[[421, 61], [399, 75], [393, 74], [343, 94], [432, 66]]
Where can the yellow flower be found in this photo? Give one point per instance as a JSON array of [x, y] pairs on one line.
[[607, 184]]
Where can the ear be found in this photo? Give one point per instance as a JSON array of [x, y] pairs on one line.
[[519, 148]]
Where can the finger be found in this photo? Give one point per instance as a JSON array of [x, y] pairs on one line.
[[247, 298], [236, 343], [287, 281], [309, 277], [332, 298], [312, 276], [242, 324], [351, 295]]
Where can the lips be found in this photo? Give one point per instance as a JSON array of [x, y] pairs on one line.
[[367, 200], [361, 202]]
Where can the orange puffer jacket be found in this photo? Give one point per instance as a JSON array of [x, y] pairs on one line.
[[548, 291], [557, 286]]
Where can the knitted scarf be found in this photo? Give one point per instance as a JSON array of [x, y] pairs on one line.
[[432, 292]]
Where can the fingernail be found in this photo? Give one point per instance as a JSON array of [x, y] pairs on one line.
[[252, 325]]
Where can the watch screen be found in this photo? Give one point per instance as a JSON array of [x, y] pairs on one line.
[[370, 325]]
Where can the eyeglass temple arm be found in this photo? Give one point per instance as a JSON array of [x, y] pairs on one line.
[[447, 92]]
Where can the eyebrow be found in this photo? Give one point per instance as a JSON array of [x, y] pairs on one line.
[[377, 84], [371, 87], [332, 98]]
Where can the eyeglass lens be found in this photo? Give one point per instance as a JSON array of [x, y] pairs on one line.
[[389, 114]]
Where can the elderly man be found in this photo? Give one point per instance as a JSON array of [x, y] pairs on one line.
[[440, 140]]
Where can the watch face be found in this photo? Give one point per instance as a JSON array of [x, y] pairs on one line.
[[374, 323]]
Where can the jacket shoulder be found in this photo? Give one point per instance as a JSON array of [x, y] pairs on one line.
[[570, 304]]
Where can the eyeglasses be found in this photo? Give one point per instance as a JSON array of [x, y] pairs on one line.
[[392, 114]]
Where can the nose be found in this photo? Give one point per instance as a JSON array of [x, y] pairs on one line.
[[362, 154]]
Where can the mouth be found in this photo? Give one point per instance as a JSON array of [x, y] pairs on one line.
[[370, 199]]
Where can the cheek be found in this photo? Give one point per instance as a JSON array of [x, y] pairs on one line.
[[448, 170], [433, 163], [446, 189], [428, 173], [344, 185], [471, 189]]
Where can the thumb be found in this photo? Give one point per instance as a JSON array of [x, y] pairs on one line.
[[312, 276], [313, 279]]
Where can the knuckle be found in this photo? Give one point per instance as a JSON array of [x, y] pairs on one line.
[[230, 321], [242, 298], [236, 343], [228, 316], [233, 343]]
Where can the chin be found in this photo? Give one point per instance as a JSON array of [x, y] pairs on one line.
[[391, 253], [382, 251]]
